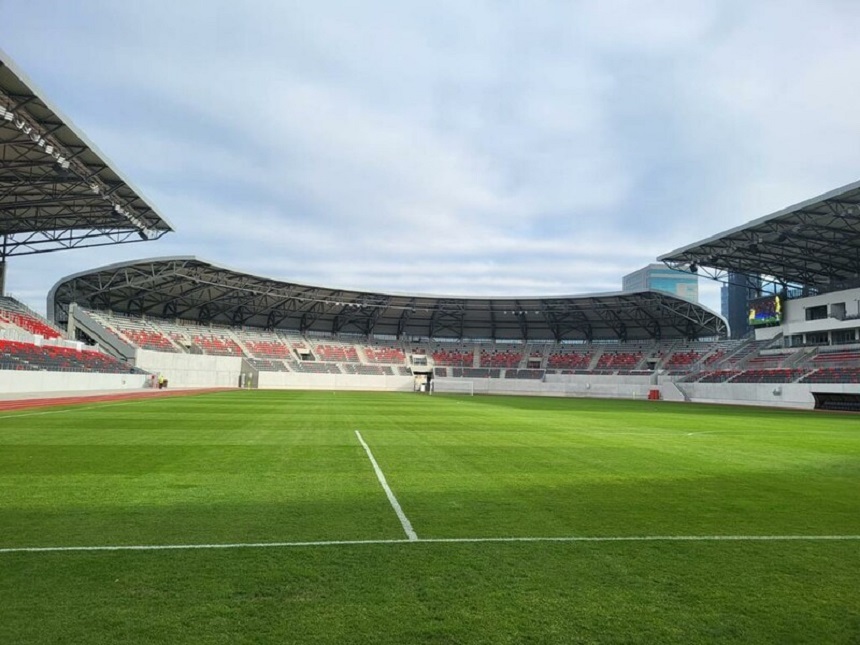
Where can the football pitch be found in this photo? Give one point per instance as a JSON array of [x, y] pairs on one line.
[[321, 517]]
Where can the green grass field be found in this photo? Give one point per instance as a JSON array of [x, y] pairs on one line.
[[243, 467]]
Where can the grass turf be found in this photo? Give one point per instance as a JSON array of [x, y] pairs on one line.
[[286, 466]]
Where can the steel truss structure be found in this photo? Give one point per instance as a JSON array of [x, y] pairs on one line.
[[813, 246], [188, 288], [57, 191]]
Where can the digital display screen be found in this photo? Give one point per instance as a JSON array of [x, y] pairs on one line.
[[765, 311]]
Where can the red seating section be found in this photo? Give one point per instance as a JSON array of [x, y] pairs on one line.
[[146, 339], [619, 360], [833, 375], [26, 356], [453, 357], [268, 349], [506, 358], [843, 358], [385, 355], [570, 361], [682, 359], [29, 323], [337, 354], [217, 346]]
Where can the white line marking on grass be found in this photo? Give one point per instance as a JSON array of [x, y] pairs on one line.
[[417, 540], [72, 408], [404, 521]]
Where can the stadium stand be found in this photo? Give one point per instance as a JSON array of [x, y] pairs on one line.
[[454, 357], [13, 312], [776, 375], [833, 375], [524, 374], [503, 358], [338, 353], [50, 358], [610, 361], [135, 331], [385, 354], [569, 360], [268, 365]]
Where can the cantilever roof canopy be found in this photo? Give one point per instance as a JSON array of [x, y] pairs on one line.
[[190, 289], [814, 245], [57, 191]]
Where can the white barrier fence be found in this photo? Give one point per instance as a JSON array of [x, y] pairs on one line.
[[191, 370], [14, 381]]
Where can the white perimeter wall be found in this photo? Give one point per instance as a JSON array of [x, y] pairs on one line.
[[25, 381], [788, 395], [191, 370], [298, 381], [793, 395], [188, 370], [612, 387]]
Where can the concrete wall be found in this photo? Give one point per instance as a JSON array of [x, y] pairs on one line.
[[191, 370], [295, 380], [788, 395], [613, 387], [25, 381]]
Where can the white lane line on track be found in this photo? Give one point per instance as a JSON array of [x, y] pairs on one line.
[[404, 521], [497, 540]]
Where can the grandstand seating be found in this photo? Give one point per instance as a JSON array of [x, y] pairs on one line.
[[135, 331], [618, 360], [216, 345], [16, 313], [505, 358], [569, 360], [454, 357], [476, 372], [714, 376], [777, 375], [268, 365], [281, 351], [682, 359], [764, 362], [27, 356], [838, 358], [368, 370], [337, 353], [312, 367], [833, 375], [535, 375], [268, 349], [386, 355]]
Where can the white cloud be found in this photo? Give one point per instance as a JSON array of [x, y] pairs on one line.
[[464, 148]]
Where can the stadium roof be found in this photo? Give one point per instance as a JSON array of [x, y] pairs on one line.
[[57, 191], [192, 289], [814, 244]]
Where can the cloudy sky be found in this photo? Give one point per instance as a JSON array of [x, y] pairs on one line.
[[474, 148]]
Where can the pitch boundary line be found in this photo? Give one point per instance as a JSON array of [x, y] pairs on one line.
[[417, 540], [70, 408], [404, 521]]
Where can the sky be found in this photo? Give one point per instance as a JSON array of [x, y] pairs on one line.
[[460, 148]]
